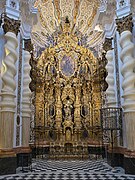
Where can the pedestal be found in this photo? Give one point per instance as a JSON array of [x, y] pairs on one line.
[[25, 131], [24, 156], [130, 130], [129, 161], [6, 130], [8, 162]]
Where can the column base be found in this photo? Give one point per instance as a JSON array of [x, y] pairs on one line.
[[129, 165], [24, 157], [8, 162], [121, 157], [130, 127], [115, 159], [129, 162]]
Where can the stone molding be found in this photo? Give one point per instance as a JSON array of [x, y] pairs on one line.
[[122, 150]]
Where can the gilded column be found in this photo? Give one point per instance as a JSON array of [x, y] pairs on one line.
[[96, 97], [77, 119], [58, 104], [26, 110], [110, 92], [77, 115], [8, 104], [125, 28]]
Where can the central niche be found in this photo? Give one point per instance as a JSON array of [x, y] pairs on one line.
[[67, 66]]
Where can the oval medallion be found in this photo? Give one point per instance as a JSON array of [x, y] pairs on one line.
[[67, 65]]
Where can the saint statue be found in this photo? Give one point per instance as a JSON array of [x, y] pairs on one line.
[[67, 110], [68, 135], [68, 118]]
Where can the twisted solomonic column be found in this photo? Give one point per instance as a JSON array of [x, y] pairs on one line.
[[111, 101], [128, 86], [124, 26], [127, 71], [26, 90], [7, 104], [26, 95], [8, 81]]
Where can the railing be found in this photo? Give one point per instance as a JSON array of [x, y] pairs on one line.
[[111, 124]]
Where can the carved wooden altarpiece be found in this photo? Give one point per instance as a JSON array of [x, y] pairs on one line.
[[67, 98]]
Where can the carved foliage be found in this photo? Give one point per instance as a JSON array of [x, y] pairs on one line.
[[124, 24], [11, 25]]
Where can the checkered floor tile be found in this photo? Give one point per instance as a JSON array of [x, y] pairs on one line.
[[76, 166], [70, 170]]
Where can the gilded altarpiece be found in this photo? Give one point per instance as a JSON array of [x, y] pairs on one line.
[[67, 104]]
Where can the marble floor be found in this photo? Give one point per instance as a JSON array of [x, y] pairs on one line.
[[70, 170]]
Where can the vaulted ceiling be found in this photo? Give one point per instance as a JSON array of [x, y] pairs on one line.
[[87, 18], [82, 15]]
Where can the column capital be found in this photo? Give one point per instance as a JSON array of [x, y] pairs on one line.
[[28, 46], [11, 25], [107, 45], [124, 23]]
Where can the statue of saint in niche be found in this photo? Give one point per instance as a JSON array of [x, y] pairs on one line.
[[68, 110], [68, 117], [68, 135]]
